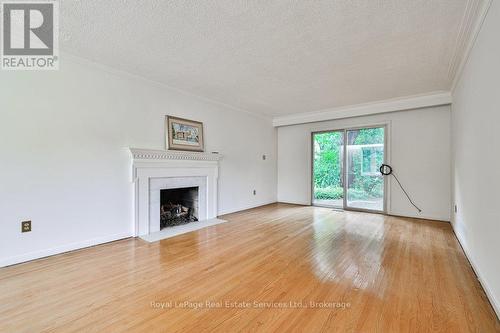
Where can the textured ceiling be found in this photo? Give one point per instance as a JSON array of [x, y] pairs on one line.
[[274, 57]]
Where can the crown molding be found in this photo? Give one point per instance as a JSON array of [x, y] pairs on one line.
[[390, 105], [150, 154], [472, 22], [75, 59]]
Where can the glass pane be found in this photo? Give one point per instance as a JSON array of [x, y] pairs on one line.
[[328, 185], [365, 155]]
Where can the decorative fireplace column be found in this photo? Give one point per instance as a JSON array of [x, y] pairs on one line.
[[154, 170]]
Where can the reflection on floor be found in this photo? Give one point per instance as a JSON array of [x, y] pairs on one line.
[[169, 232], [370, 204], [277, 268]]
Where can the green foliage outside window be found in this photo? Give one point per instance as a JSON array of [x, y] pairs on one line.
[[327, 159], [364, 182]]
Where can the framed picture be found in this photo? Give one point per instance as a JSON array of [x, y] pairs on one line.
[[184, 134]]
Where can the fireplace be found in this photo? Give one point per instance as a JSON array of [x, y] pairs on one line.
[[157, 170], [178, 206]]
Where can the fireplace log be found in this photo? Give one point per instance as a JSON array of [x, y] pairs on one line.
[[175, 214]]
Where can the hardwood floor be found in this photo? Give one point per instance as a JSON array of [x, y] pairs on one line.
[[362, 272]]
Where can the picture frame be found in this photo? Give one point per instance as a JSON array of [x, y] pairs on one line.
[[184, 134]]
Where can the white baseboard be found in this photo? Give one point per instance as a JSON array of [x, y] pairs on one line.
[[61, 249], [300, 203], [95, 241], [239, 209], [421, 216], [491, 297], [392, 213]]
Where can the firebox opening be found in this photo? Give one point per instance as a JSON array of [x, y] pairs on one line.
[[178, 206]]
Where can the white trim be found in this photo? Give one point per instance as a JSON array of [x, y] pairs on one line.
[[487, 289], [150, 154], [468, 39], [464, 33], [64, 55], [444, 219], [62, 249], [390, 105], [245, 207], [148, 164], [303, 203]]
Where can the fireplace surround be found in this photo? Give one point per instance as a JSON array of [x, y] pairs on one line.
[[157, 170]]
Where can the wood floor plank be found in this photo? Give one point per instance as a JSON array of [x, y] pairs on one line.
[[274, 268]]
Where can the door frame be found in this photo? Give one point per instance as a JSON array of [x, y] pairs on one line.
[[344, 129]]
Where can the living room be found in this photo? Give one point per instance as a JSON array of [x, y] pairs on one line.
[[249, 166]]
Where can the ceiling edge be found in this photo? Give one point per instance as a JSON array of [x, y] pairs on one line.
[[131, 76], [472, 22], [389, 105]]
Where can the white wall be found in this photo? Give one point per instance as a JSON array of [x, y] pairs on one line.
[[476, 157], [418, 149], [64, 163]]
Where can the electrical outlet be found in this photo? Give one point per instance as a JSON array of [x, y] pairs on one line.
[[254, 192], [456, 209], [25, 226], [264, 157]]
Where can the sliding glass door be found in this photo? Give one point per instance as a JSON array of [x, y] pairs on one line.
[[346, 168], [364, 182], [328, 165]]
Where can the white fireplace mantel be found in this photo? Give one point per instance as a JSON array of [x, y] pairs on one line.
[[158, 155], [152, 168]]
